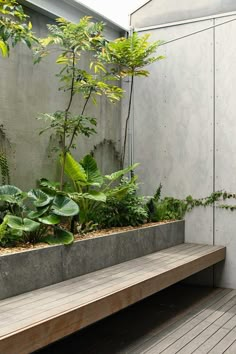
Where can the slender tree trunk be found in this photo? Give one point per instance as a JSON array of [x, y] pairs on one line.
[[76, 127], [64, 148], [127, 120]]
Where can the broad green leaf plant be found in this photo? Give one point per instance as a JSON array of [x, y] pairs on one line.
[[129, 57], [15, 27], [71, 42], [90, 189], [34, 216]]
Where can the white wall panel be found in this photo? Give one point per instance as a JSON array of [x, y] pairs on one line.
[[173, 122], [225, 153], [185, 128]]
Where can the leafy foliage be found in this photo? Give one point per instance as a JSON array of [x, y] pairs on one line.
[[130, 55], [8, 236], [72, 41], [128, 58], [34, 216], [90, 189], [128, 210], [14, 27], [168, 208]]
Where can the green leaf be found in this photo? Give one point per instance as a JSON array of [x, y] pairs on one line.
[[40, 198], [9, 193], [9, 190], [4, 48], [38, 213], [60, 237], [91, 195], [74, 170], [114, 176], [64, 206], [118, 192], [96, 196], [22, 224], [94, 177], [50, 219]]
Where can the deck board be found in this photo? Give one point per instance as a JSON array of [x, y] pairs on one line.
[[96, 276], [69, 293], [32, 320], [195, 330]]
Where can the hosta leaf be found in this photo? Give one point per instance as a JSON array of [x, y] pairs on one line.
[[93, 175], [9, 193], [64, 206], [38, 213], [114, 176], [50, 219], [74, 170], [60, 237], [40, 198], [51, 187], [22, 224]]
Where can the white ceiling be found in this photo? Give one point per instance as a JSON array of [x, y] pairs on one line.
[[117, 11]]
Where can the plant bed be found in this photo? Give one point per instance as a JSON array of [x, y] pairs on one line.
[[37, 267]]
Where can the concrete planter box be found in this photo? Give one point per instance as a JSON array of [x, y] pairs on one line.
[[33, 269]]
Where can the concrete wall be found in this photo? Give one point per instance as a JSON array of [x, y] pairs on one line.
[[166, 11], [184, 129], [27, 90]]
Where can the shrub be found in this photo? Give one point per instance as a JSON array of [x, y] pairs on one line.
[[167, 208], [125, 211]]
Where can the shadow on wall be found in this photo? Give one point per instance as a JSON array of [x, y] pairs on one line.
[[113, 157]]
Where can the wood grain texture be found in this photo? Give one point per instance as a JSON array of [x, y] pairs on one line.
[[33, 320]]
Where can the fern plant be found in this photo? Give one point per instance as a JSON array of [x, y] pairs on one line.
[[129, 210], [168, 208]]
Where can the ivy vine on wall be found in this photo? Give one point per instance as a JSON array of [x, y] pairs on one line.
[[4, 165]]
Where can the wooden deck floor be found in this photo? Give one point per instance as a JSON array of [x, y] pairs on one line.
[[181, 319]]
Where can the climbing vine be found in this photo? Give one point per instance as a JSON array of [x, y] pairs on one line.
[[4, 167], [170, 208]]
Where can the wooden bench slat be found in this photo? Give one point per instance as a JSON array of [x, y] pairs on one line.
[[90, 280], [81, 290], [118, 287]]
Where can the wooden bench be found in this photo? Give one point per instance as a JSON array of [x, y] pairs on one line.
[[33, 320]]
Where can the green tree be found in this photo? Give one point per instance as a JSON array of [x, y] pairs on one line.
[[72, 41], [14, 27], [130, 56]]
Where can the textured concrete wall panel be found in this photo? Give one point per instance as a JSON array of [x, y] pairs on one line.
[[173, 123], [225, 221]]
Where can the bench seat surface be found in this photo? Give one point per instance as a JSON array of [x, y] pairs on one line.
[[35, 319]]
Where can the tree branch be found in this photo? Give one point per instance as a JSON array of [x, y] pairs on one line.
[[127, 121]]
